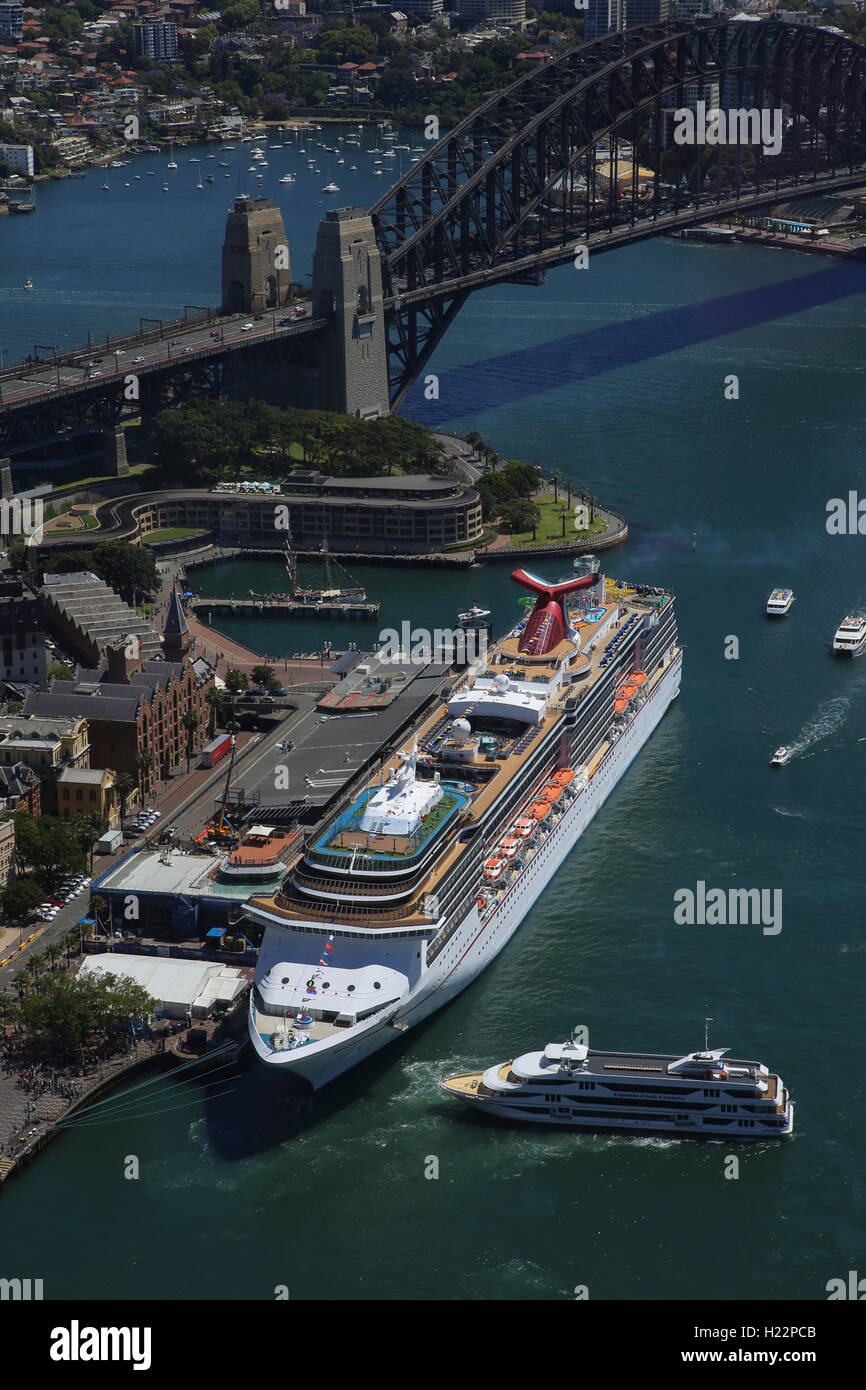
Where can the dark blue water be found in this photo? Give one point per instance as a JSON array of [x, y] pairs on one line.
[[615, 376]]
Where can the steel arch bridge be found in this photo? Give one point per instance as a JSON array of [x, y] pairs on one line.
[[518, 185]]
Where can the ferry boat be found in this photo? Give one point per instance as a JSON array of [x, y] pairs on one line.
[[701, 1095], [850, 638], [780, 757], [779, 603], [394, 905]]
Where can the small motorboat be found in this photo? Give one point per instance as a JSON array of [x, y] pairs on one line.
[[780, 757], [28, 284]]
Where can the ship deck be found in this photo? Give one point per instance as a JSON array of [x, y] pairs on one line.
[[501, 768]]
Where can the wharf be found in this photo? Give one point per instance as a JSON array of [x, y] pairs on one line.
[[285, 607]]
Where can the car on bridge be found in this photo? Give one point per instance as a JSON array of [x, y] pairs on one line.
[[175, 342], [246, 327]]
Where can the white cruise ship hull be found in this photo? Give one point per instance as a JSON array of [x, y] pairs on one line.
[[474, 943]]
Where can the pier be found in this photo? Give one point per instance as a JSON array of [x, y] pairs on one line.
[[284, 606]]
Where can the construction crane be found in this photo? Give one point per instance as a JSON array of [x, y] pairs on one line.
[[220, 828]]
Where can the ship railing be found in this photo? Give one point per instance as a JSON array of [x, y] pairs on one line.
[[346, 912], [354, 886]]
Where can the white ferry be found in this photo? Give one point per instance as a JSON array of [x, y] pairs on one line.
[[850, 637], [779, 603], [700, 1095], [780, 757], [392, 908]]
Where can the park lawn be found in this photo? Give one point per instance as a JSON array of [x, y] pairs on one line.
[[487, 537], [171, 533], [549, 530]]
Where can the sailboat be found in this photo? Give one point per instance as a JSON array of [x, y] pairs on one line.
[[171, 163]]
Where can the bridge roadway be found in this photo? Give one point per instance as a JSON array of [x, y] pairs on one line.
[[177, 346], [618, 232]]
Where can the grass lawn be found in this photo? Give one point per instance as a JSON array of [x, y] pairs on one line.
[[549, 530], [171, 533], [487, 537]]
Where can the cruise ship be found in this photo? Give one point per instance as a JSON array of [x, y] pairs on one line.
[[850, 638], [701, 1095], [421, 877]]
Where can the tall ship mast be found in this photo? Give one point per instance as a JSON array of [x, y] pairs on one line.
[[392, 907]]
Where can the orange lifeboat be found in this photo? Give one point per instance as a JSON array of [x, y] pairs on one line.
[[509, 847], [539, 810], [563, 777], [524, 827], [480, 901], [494, 869], [551, 793], [639, 677]]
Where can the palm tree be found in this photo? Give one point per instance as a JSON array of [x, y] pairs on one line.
[[124, 785], [144, 762], [35, 965], [570, 484], [22, 983], [55, 950], [563, 513], [555, 476], [97, 904], [69, 943], [190, 722], [592, 502]]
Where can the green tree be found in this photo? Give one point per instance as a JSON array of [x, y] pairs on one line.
[[263, 677], [190, 722], [46, 848], [69, 1010], [87, 830], [124, 786], [555, 476], [519, 515], [143, 762], [19, 899]]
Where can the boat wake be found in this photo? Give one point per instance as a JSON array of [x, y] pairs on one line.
[[830, 717]]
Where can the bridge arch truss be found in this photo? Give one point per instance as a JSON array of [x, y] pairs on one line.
[[514, 188]]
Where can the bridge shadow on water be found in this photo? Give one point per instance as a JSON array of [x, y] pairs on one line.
[[529, 371]]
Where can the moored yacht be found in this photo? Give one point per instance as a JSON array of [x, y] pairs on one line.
[[850, 638], [699, 1095], [420, 877], [779, 603]]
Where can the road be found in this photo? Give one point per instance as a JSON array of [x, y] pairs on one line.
[[25, 383]]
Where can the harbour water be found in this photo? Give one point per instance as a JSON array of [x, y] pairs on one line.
[[615, 376]]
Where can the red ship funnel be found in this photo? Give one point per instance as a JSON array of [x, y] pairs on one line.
[[548, 622]]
